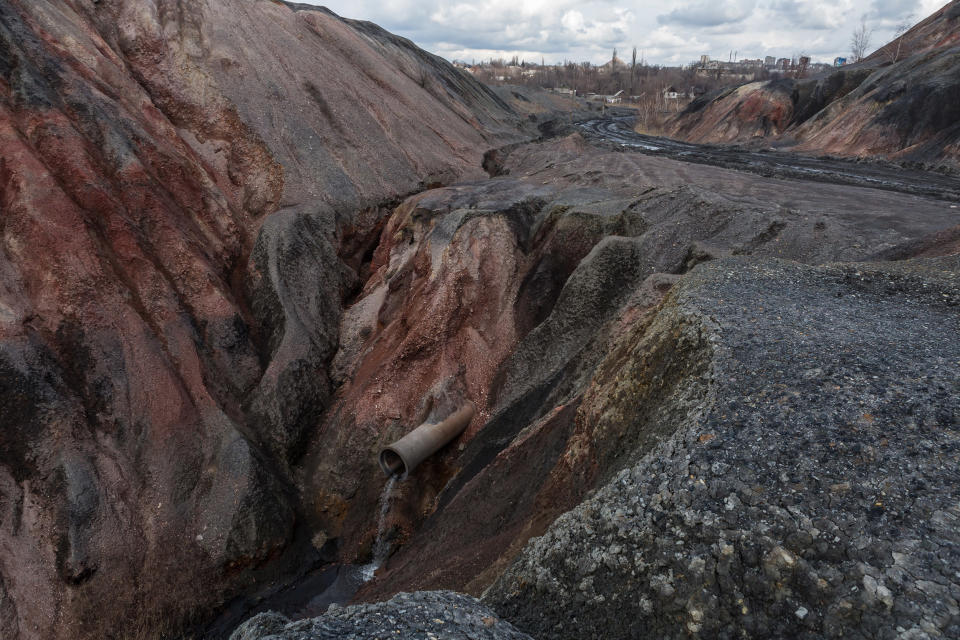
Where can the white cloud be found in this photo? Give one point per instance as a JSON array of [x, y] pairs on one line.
[[826, 15], [667, 32], [709, 13], [573, 21]]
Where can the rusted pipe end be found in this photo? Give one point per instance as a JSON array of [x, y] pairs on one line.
[[401, 457]]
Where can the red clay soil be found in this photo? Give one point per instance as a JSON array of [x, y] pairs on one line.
[[749, 112], [434, 321]]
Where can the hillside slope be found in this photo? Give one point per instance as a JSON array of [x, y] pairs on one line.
[[179, 181], [899, 103]]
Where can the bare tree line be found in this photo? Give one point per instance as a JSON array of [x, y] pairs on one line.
[[634, 78], [892, 51]]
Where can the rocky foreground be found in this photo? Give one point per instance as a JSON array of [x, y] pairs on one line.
[[422, 616], [805, 484]]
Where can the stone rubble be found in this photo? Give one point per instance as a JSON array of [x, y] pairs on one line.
[[427, 615]]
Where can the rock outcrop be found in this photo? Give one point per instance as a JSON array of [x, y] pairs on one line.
[[800, 479], [737, 114], [899, 103], [188, 190], [433, 614]]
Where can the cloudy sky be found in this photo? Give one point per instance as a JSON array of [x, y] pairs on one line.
[[666, 32]]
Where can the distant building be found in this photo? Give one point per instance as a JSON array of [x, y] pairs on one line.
[[839, 62], [769, 61], [712, 67], [784, 63], [704, 60]]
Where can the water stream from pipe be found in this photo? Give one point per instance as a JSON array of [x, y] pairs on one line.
[[381, 548], [315, 592]]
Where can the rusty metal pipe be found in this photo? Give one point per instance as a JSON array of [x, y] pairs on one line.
[[403, 456]]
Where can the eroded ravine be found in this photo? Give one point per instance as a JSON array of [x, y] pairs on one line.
[[223, 290], [570, 271]]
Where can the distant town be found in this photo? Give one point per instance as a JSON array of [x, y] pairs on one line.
[[634, 81]]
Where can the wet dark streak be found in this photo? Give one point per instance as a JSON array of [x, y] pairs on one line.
[[618, 131]]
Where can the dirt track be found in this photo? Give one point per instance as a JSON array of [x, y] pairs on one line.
[[618, 132]]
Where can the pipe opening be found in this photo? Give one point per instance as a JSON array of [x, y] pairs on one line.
[[403, 456], [392, 464]]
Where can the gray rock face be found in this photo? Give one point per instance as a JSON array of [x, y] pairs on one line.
[[806, 485], [262, 625], [297, 282], [431, 614]]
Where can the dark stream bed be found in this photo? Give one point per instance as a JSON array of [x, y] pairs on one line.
[[307, 598]]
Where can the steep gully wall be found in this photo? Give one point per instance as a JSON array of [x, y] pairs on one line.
[[179, 180]]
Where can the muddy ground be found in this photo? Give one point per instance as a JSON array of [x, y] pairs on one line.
[[618, 133]]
